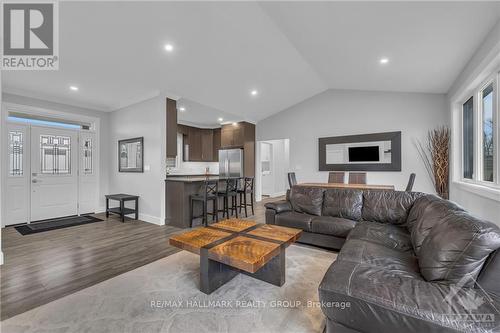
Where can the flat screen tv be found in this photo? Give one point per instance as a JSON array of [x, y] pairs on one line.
[[364, 154]]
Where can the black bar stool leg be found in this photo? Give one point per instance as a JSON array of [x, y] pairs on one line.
[[251, 202], [245, 199], [216, 209]]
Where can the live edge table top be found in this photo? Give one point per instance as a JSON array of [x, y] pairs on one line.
[[238, 243]]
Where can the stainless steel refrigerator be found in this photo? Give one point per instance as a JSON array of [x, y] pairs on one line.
[[231, 163]]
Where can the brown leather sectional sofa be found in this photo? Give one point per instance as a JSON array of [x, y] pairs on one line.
[[408, 262]]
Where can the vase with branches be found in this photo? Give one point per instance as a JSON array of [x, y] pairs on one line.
[[435, 155]]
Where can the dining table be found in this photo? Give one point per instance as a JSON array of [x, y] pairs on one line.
[[349, 186]]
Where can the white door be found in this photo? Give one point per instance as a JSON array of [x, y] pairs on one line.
[[88, 189], [16, 195], [54, 178]]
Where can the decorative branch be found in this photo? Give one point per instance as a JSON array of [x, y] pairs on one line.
[[435, 156]]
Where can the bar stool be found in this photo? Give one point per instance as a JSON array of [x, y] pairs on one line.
[[210, 190], [247, 189], [231, 191]]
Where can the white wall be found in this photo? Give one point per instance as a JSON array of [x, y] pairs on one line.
[[343, 112], [103, 132], [275, 184], [2, 144], [146, 119], [485, 60]]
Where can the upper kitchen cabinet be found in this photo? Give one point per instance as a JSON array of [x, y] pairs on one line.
[[198, 144], [171, 112], [235, 135], [216, 144]]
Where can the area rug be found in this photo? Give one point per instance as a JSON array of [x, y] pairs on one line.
[[163, 297], [65, 222]]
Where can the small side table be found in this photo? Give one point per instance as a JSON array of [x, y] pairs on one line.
[[122, 210]]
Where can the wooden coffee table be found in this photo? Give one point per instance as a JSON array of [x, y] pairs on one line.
[[236, 246]]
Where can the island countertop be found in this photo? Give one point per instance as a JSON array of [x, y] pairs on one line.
[[191, 179]]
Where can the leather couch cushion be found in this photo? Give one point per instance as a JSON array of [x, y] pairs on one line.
[[490, 273], [343, 203], [427, 212], [307, 199], [384, 300], [457, 248], [335, 226], [294, 220], [388, 206], [366, 252], [389, 235], [279, 206]]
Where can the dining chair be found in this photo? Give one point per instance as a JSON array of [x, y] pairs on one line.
[[336, 177], [411, 181], [292, 180], [357, 177]]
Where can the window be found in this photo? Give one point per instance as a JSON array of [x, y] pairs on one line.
[[468, 138], [87, 156], [55, 154], [16, 153], [487, 133], [479, 129]]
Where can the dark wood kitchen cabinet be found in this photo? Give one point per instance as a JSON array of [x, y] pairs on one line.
[[171, 112], [194, 142], [216, 144], [235, 135], [207, 144]]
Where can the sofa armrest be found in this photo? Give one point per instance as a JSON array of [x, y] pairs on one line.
[[279, 206]]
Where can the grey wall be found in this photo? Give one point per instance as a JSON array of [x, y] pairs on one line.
[[343, 112], [146, 119], [103, 131]]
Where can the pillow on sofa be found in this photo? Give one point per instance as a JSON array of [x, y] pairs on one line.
[[388, 206], [458, 248], [428, 212], [307, 199], [343, 203]]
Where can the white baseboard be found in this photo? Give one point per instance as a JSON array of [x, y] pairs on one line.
[[143, 217], [277, 194], [1, 258]]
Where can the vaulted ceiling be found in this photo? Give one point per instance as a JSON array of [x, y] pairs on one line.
[[114, 51]]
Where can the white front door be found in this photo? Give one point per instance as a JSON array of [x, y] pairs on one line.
[[54, 173]]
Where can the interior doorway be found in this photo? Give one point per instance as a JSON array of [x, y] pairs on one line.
[[273, 160]]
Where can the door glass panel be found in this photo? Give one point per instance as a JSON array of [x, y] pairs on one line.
[[55, 154], [15, 153], [488, 145], [87, 156]]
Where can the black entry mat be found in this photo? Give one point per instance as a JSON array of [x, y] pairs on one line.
[[65, 222]]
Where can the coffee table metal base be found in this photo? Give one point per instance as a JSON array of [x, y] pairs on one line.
[[214, 274]]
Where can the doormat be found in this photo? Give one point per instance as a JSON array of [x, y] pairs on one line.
[[54, 224]]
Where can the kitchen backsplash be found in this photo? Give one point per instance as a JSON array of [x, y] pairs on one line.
[[195, 168]]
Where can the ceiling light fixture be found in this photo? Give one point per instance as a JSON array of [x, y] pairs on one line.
[[221, 120], [182, 109], [384, 61], [254, 92], [74, 88], [169, 47]]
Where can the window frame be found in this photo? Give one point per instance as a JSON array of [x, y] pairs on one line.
[[476, 94]]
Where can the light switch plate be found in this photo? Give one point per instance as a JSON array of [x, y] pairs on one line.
[[147, 167]]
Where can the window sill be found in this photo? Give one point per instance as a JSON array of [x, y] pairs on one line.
[[489, 192]]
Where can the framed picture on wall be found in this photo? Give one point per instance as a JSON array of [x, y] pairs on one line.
[[131, 155]]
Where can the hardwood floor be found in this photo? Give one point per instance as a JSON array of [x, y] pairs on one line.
[[43, 267]]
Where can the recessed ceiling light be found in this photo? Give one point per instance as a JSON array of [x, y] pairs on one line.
[[254, 92], [74, 88], [221, 119], [182, 109], [169, 47], [384, 61], [235, 124]]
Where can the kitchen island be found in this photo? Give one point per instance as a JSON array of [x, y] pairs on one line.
[[178, 189]]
